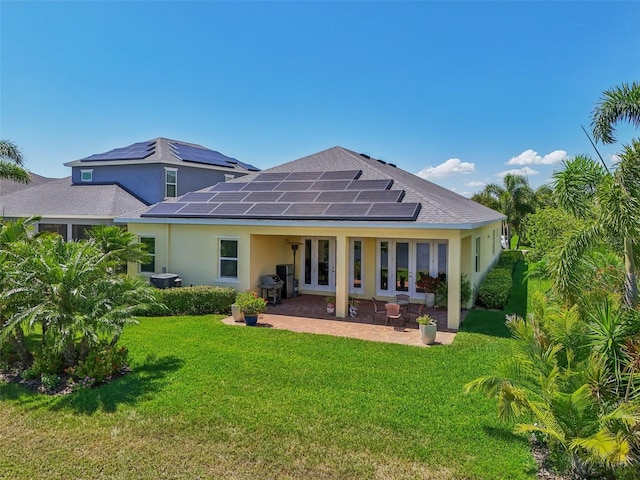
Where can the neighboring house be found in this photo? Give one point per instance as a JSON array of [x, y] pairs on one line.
[[116, 183], [362, 226]]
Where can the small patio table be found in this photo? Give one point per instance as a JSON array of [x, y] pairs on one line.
[[403, 307]]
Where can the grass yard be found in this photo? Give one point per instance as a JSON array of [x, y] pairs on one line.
[[207, 400]]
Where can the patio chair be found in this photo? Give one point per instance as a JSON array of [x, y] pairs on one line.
[[393, 312], [378, 308], [405, 301]]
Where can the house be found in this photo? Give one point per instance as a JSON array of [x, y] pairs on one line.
[[349, 223], [121, 181]]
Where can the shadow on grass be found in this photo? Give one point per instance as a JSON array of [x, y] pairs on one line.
[[504, 433], [140, 383], [490, 322]]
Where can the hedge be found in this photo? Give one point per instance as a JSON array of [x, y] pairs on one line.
[[509, 258], [495, 289], [199, 300]]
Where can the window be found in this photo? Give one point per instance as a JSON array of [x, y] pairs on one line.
[[150, 266], [493, 242], [228, 258], [59, 228], [477, 254], [170, 182], [86, 175], [228, 177], [79, 232]]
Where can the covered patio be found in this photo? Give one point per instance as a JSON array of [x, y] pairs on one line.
[[307, 313]]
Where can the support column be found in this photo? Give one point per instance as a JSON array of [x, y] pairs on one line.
[[453, 279], [342, 276]]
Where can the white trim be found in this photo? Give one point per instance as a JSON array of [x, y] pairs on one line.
[[90, 172], [167, 184], [220, 278], [314, 262], [352, 288]]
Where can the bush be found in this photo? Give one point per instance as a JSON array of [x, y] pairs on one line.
[[101, 364], [509, 258], [495, 289], [199, 300], [442, 293]]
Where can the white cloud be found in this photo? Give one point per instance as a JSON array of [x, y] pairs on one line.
[[452, 166], [526, 171], [475, 183], [530, 157], [613, 159]]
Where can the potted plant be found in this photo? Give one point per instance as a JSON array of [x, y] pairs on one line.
[[237, 315], [331, 303], [429, 285], [353, 306], [428, 329], [251, 305]]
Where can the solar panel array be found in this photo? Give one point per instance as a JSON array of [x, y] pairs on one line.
[[137, 151], [336, 195], [191, 153]]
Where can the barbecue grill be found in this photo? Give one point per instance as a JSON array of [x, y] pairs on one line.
[[272, 285]]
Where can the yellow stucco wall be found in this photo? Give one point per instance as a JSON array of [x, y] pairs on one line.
[[192, 252]]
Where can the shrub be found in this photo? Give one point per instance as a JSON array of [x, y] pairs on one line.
[[495, 289], [442, 293], [101, 363], [509, 258], [250, 303], [199, 300]]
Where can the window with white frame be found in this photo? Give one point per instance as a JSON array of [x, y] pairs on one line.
[[228, 267], [477, 254], [86, 175], [228, 177], [170, 182], [150, 265], [493, 242]]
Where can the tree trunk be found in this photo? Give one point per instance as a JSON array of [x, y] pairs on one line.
[[20, 346], [69, 354], [630, 281]]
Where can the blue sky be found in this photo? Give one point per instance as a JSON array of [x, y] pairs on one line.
[[460, 91]]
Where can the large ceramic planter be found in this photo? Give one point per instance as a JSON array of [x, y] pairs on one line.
[[428, 333], [237, 315], [251, 319], [331, 308], [353, 311], [429, 299]]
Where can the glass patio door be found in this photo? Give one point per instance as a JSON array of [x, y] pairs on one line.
[[319, 263], [400, 263]]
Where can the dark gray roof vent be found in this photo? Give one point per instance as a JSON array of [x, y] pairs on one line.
[[382, 162], [365, 156], [392, 165]]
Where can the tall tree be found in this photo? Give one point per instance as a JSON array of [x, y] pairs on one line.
[[516, 199], [608, 201], [12, 162]]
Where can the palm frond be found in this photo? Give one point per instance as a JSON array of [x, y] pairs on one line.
[[616, 104]]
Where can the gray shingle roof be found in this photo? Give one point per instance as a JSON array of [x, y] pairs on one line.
[[164, 151], [59, 198], [9, 186], [439, 207]]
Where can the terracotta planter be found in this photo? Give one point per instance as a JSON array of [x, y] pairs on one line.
[[428, 333]]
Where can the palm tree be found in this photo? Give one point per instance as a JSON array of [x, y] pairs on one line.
[[617, 103], [516, 199], [11, 163], [609, 202], [120, 244]]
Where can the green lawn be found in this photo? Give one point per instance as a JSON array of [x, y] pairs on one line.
[[207, 400]]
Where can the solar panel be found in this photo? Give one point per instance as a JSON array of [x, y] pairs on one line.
[[197, 197], [164, 208], [198, 208], [294, 186], [266, 177], [347, 210], [267, 210], [330, 185], [304, 175], [295, 197], [259, 186], [223, 197], [344, 196], [232, 209], [394, 211], [341, 175], [376, 196], [263, 197], [227, 187], [137, 151], [371, 185], [306, 209], [190, 153]]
